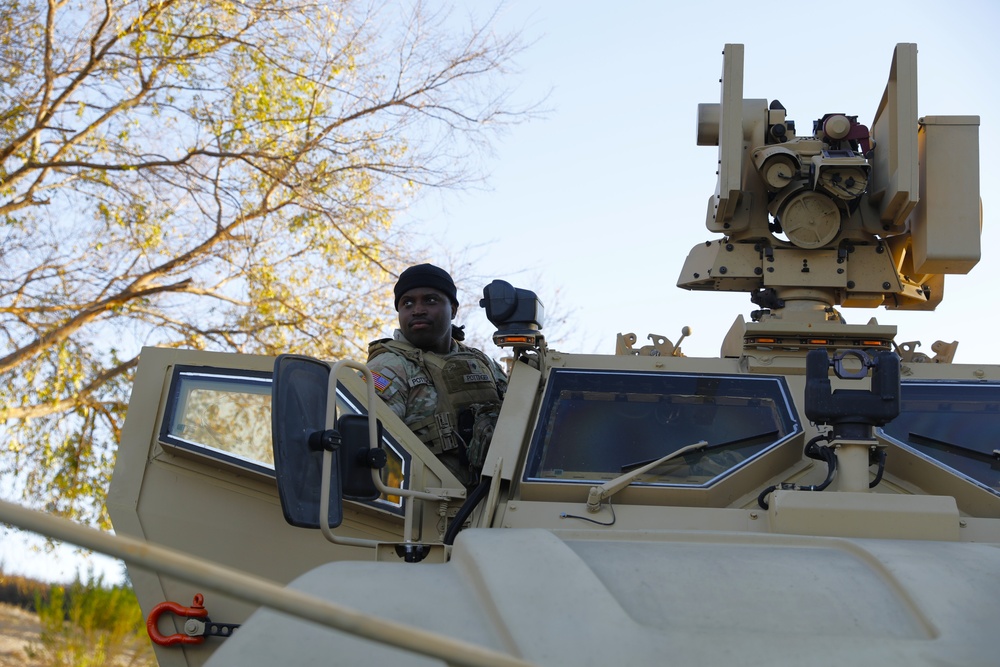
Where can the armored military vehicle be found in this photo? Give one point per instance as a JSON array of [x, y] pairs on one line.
[[819, 493]]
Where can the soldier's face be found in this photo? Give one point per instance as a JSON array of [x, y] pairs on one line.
[[425, 316]]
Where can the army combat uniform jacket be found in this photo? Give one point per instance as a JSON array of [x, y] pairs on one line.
[[450, 401]]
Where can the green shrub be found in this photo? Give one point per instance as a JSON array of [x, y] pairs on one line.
[[89, 624]]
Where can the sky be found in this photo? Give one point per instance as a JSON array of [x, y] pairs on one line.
[[596, 205]]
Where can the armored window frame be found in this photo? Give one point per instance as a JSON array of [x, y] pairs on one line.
[[952, 425], [186, 379], [591, 401]]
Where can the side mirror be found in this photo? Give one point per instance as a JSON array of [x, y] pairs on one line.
[[298, 411], [357, 458], [299, 402]]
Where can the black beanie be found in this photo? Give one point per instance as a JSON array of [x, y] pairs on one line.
[[425, 275]]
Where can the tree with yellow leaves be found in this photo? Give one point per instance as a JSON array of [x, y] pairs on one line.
[[208, 174]]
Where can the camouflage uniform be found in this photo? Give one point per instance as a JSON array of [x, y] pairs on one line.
[[457, 426]]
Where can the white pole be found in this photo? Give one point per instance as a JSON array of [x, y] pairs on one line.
[[259, 591]]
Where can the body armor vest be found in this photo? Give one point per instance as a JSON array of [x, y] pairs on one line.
[[468, 401]]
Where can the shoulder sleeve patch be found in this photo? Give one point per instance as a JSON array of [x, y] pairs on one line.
[[381, 382]]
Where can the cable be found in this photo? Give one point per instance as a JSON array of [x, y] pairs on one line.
[[763, 494], [813, 451], [881, 469], [828, 455], [599, 523], [465, 510]]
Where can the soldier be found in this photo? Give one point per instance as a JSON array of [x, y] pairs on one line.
[[449, 394]]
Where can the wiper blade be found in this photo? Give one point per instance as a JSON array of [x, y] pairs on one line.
[[768, 435], [608, 489], [953, 448]]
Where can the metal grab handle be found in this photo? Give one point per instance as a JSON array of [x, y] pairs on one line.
[[196, 610]]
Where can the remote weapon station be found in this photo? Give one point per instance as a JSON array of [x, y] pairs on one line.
[[819, 493]]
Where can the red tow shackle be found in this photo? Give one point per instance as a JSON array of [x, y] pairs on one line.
[[196, 610]]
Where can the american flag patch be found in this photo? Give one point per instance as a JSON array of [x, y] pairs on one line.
[[381, 381]]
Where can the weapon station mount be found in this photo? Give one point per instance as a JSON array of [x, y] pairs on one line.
[[845, 216]]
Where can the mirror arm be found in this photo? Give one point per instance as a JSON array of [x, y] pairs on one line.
[[324, 509], [373, 443]]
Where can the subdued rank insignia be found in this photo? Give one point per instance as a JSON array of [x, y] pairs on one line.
[[476, 377], [417, 381]]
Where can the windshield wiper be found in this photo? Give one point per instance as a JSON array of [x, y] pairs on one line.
[[608, 489], [769, 435], [952, 448]]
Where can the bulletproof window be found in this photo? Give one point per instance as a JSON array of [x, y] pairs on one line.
[[223, 415], [595, 425], [953, 424]]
